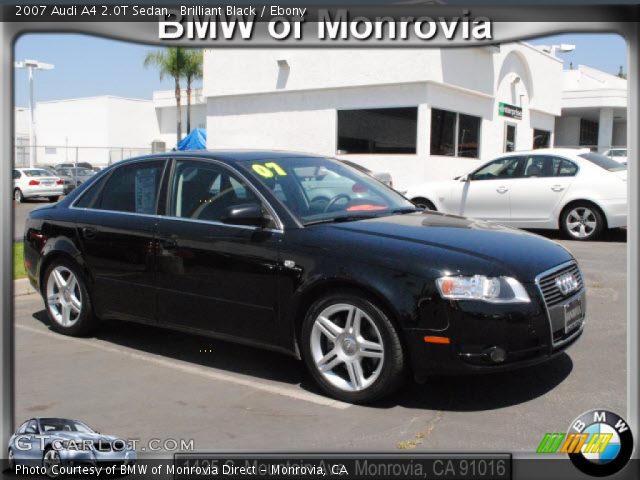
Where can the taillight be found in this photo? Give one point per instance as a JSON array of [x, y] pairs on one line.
[[34, 182], [59, 182]]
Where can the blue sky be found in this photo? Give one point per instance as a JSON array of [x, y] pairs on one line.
[[86, 66]]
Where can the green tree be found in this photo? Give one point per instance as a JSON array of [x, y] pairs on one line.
[[171, 62], [192, 71]]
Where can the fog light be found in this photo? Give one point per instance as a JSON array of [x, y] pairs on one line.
[[497, 354]]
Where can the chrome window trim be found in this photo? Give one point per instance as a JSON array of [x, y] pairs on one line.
[[582, 291], [278, 222]]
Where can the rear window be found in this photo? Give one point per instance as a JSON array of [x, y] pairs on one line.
[[603, 162], [36, 173]]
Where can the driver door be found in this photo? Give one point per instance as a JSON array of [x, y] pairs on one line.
[[486, 193]]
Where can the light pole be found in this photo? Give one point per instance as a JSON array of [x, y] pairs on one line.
[[32, 65]]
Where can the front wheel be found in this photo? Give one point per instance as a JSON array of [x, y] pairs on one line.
[[352, 349], [582, 222], [51, 459], [424, 204], [12, 460], [67, 299]]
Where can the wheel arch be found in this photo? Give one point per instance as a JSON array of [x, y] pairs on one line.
[[427, 198], [577, 201], [61, 250]]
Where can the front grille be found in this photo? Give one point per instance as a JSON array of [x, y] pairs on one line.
[[550, 291]]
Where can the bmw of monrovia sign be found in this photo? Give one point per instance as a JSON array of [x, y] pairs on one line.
[[511, 111]]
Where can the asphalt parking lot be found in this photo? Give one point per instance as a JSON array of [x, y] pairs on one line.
[[141, 382]]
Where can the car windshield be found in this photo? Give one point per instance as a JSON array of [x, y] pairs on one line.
[[319, 190], [63, 425], [617, 153], [36, 173], [603, 162]]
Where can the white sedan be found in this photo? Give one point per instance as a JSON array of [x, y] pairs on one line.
[[577, 191], [34, 183]]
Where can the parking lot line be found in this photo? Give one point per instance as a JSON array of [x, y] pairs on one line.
[[195, 370]]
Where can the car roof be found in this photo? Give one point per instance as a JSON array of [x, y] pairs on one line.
[[548, 151], [230, 156]]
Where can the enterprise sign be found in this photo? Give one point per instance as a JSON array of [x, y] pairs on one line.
[[510, 111]]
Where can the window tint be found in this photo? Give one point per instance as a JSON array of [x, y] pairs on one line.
[[32, 427], [380, 130], [16, 174], [23, 427], [87, 197], [132, 188], [454, 134], [36, 173], [502, 168], [205, 191], [540, 166], [603, 162], [567, 168]]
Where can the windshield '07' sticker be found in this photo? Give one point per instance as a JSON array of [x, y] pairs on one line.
[[268, 170]]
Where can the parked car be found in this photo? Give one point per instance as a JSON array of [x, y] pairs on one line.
[[79, 174], [59, 441], [383, 177], [86, 165], [68, 182], [36, 183], [364, 290], [577, 191], [618, 154]]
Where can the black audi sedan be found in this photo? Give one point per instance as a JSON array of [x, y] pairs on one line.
[[304, 255]]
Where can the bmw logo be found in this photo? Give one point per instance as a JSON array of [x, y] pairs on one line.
[[608, 443]]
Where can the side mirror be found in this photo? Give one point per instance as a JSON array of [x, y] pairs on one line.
[[245, 214]]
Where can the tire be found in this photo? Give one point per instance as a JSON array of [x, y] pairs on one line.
[[361, 365], [50, 458], [424, 203], [582, 221], [18, 196], [53, 199], [11, 460], [68, 306]]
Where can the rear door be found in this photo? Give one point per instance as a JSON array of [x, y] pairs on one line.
[[540, 188], [117, 231]]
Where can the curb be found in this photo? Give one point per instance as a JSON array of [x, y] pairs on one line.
[[22, 286]]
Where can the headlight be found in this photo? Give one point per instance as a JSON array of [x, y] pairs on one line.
[[486, 289], [80, 445]]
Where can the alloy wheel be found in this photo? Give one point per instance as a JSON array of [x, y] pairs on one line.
[[51, 459], [12, 460], [347, 347], [64, 297], [581, 222]]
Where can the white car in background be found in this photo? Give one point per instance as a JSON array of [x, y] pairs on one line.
[[577, 191], [36, 183], [618, 154]]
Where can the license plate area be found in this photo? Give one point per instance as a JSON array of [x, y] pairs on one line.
[[573, 314]]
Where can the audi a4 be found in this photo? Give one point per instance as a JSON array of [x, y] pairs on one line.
[[361, 285]]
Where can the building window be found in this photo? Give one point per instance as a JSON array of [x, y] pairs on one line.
[[454, 134], [588, 132], [380, 130], [541, 139]]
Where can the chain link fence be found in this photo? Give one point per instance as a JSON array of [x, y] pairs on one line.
[[51, 155]]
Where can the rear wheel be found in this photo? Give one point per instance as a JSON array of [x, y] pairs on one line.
[[67, 299], [582, 221], [11, 459], [424, 203], [352, 349], [17, 195], [53, 199]]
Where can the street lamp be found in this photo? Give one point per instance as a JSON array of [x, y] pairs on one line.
[[32, 65]]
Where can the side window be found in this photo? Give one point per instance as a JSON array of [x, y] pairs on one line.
[[16, 175], [501, 168], [132, 188], [32, 427], [204, 191], [22, 428], [566, 168], [540, 166]]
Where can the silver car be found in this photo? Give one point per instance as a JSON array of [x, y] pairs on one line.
[[59, 441], [36, 183]]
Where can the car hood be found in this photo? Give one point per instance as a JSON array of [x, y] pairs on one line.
[[81, 436], [513, 252]]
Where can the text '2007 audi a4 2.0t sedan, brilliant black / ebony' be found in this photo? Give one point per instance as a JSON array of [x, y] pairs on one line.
[[307, 256]]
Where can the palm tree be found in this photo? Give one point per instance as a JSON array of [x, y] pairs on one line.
[[171, 62], [192, 71]]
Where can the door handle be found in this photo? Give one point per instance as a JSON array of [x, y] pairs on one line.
[[502, 189], [557, 188], [89, 233]]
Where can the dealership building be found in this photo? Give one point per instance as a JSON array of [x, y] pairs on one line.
[[416, 113]]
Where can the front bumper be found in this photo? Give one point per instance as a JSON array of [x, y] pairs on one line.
[[94, 457], [521, 334]]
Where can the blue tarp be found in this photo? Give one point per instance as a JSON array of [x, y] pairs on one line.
[[196, 140]]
